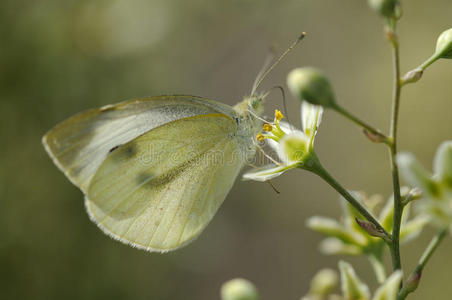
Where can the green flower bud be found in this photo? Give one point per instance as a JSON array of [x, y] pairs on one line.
[[444, 44], [412, 282], [239, 289], [323, 283], [370, 228], [386, 8], [311, 84]]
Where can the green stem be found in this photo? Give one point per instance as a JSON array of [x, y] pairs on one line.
[[416, 74], [378, 135], [315, 167], [378, 267], [429, 61], [398, 207], [428, 252]]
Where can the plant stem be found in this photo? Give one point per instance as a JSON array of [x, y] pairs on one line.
[[398, 207], [318, 169], [378, 135], [428, 252], [429, 61]]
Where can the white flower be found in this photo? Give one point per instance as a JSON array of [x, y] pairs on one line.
[[293, 147], [436, 188]]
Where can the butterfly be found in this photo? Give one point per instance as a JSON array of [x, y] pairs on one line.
[[155, 170]]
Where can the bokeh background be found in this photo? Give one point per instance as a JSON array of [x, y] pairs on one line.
[[60, 57]]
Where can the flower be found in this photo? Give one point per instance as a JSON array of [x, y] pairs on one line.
[[437, 188], [347, 236], [294, 148], [352, 287]]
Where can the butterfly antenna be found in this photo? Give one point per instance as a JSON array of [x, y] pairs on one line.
[[277, 61], [268, 60]]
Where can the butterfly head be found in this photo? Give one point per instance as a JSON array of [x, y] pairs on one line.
[[251, 105]]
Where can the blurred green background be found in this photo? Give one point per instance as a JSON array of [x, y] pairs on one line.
[[60, 57]]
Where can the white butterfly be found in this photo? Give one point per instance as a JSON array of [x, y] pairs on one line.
[[155, 170]]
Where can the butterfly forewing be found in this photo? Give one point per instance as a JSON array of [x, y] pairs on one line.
[[79, 144], [160, 190]]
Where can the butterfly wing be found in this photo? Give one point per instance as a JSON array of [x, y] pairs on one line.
[[160, 190], [79, 144]]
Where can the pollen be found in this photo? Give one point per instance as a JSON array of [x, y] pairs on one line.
[[278, 115], [267, 127], [260, 137]]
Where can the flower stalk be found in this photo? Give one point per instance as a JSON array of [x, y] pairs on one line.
[[374, 134], [315, 167], [413, 280]]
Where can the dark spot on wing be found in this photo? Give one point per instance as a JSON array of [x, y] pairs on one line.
[[129, 150], [123, 152], [113, 149]]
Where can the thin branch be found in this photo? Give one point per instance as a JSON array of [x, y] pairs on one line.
[[413, 279]]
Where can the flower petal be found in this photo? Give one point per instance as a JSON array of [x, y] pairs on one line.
[[415, 174], [352, 287], [389, 289], [268, 172], [442, 164], [311, 117]]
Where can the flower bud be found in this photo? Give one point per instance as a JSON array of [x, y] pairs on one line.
[[239, 289], [323, 283], [386, 8], [412, 76], [311, 84], [412, 282], [370, 228], [444, 44]]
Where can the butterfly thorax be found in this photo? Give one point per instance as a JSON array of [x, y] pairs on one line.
[[249, 124]]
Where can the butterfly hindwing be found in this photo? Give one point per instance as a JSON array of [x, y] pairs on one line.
[[160, 190]]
